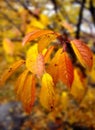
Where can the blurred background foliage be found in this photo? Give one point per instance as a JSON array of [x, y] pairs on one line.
[[73, 19]]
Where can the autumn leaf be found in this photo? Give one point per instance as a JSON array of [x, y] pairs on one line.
[[78, 88], [8, 46], [28, 93], [47, 93], [10, 71], [45, 41], [35, 61], [52, 68], [48, 53], [66, 74], [20, 83], [83, 53], [35, 34]]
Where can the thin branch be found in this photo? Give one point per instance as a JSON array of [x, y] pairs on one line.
[[80, 19]]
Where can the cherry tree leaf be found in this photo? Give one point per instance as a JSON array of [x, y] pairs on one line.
[[79, 88], [52, 68], [10, 71], [48, 53], [35, 61], [27, 96], [47, 93], [8, 46], [45, 41], [35, 34], [20, 82], [83, 53], [66, 74]]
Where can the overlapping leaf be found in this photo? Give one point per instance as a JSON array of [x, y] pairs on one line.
[[45, 41], [83, 53], [20, 83], [48, 53], [66, 73], [35, 61], [79, 88], [35, 34], [10, 71], [52, 69], [27, 96], [47, 94]]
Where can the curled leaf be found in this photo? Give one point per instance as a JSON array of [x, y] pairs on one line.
[[66, 73], [10, 71], [47, 93], [83, 53], [35, 34]]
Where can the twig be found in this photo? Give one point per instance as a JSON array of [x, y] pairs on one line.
[[80, 19]]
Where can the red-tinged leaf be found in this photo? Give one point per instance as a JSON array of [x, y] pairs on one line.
[[45, 41], [47, 93], [20, 83], [35, 34], [66, 73], [52, 68], [35, 61], [27, 96], [48, 53], [10, 71], [83, 53]]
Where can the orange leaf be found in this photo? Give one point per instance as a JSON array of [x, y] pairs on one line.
[[45, 41], [52, 68], [10, 71], [47, 94], [27, 96], [35, 61], [48, 53], [35, 34], [20, 82], [83, 53], [66, 73]]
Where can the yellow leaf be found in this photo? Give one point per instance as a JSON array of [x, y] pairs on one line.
[[65, 67], [10, 71], [92, 72], [78, 88], [83, 53], [8, 46], [52, 68], [47, 94], [35, 61]]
